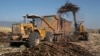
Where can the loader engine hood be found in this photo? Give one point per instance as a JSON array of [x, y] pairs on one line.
[[16, 29]]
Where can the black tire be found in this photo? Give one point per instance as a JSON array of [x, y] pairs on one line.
[[34, 39], [86, 36], [49, 37], [55, 38]]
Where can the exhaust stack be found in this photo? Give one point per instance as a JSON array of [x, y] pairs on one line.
[[25, 19]]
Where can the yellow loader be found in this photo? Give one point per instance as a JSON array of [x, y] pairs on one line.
[[30, 32]]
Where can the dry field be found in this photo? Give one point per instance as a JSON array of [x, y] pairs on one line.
[[93, 45], [81, 48], [2, 29]]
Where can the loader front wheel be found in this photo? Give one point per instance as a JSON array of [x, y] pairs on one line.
[[34, 39]]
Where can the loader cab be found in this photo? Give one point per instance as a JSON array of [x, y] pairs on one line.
[[35, 20]]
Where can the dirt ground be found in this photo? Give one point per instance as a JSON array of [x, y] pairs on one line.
[[93, 45], [81, 48]]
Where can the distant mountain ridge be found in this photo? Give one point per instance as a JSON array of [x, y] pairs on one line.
[[6, 23]]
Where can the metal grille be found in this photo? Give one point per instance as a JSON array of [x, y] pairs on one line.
[[16, 29]]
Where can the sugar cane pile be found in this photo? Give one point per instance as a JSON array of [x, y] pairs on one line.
[[53, 49]]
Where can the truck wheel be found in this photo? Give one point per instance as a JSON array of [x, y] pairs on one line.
[[55, 38], [34, 39], [86, 36], [49, 37]]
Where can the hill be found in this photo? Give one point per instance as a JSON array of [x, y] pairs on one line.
[[7, 23]]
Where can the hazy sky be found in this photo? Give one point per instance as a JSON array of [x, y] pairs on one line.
[[13, 10]]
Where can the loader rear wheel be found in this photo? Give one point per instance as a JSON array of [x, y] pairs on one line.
[[34, 39]]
